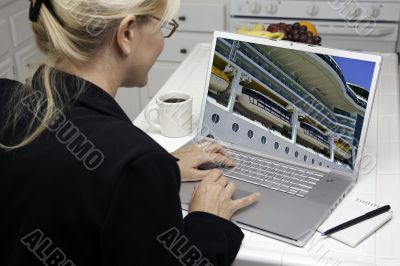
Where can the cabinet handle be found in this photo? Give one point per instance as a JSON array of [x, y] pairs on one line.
[[183, 51], [182, 18]]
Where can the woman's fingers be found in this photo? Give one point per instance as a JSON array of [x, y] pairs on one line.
[[221, 159], [209, 152], [194, 190], [246, 201], [213, 175], [230, 189], [222, 180], [197, 175], [217, 158], [214, 195], [217, 176], [213, 147]]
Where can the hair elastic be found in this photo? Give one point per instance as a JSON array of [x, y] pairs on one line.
[[34, 10]]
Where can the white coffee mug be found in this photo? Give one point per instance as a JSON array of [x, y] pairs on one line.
[[174, 111]]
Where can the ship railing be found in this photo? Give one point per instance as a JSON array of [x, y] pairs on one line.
[[353, 96], [300, 88]]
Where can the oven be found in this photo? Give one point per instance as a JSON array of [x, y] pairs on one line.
[[348, 24]]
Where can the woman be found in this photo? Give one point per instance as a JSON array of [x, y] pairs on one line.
[[80, 184]]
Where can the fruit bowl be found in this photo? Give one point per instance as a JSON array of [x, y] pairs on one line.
[[259, 31], [303, 32]]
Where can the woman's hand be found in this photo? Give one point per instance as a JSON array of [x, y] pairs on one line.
[[214, 195], [191, 157]]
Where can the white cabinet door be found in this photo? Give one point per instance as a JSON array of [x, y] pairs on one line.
[[129, 100], [133, 100], [158, 75], [181, 44], [7, 69], [201, 17], [5, 2], [197, 19], [28, 60], [21, 30], [5, 43]]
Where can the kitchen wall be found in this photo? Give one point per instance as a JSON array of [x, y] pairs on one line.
[[19, 55]]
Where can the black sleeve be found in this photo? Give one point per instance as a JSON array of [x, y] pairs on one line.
[[218, 239], [144, 224]]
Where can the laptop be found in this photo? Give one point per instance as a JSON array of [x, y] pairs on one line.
[[294, 117]]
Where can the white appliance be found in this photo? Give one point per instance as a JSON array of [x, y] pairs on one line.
[[363, 25]]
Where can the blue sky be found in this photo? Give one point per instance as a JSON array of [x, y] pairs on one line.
[[356, 71]]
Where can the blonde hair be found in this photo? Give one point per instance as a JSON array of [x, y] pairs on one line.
[[78, 33]]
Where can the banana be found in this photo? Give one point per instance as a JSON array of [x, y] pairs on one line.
[[263, 34], [243, 28], [259, 27]]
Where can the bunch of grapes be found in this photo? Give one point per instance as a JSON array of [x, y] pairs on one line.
[[298, 33]]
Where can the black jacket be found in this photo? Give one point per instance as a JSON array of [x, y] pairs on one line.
[[96, 190]]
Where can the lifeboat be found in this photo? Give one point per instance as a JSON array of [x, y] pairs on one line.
[[256, 103], [313, 135], [343, 150], [219, 81]]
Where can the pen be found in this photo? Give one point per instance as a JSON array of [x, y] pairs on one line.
[[357, 220]]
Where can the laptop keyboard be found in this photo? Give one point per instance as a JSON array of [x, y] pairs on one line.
[[271, 174]]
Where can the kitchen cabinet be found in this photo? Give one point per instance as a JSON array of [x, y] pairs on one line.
[[20, 57], [7, 69], [5, 42], [197, 22], [28, 60]]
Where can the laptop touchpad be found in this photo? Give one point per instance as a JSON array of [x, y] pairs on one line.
[[187, 189], [240, 194]]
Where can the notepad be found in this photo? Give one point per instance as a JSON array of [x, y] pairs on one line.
[[351, 208]]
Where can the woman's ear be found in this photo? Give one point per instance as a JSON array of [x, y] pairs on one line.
[[125, 34]]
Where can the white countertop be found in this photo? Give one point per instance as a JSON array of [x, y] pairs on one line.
[[381, 185]]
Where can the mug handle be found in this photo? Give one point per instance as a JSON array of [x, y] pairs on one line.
[[147, 115]]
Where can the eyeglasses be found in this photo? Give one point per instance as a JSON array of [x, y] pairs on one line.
[[168, 28]]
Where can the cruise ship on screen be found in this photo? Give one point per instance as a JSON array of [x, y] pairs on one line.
[[302, 97]]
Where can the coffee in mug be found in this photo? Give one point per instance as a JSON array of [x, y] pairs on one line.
[[174, 111], [174, 100]]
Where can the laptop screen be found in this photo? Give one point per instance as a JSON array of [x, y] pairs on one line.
[[303, 106]]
